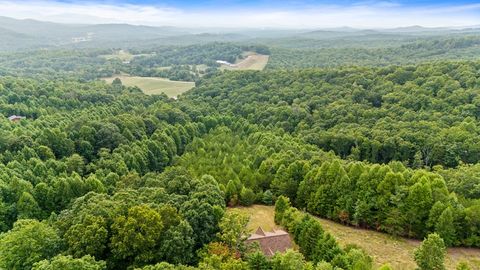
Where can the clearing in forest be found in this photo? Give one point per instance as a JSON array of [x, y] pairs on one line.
[[122, 55], [154, 85], [260, 216], [252, 61], [383, 248]]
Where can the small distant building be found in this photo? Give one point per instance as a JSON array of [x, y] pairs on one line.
[[271, 242], [221, 62], [86, 38], [16, 118], [79, 39]]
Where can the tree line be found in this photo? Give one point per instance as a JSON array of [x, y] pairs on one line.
[[320, 246], [370, 50], [258, 166], [422, 115], [102, 176]]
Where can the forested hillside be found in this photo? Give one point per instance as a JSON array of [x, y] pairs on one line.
[[365, 51], [173, 62], [106, 146], [57, 64], [94, 161], [97, 175], [420, 115]]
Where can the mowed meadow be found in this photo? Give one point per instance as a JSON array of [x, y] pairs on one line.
[[252, 61], [398, 252], [155, 86], [122, 55]]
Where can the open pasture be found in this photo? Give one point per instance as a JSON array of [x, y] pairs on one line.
[[250, 62], [155, 86]]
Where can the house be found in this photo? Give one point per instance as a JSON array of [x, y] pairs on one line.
[[221, 62], [271, 242], [16, 118]]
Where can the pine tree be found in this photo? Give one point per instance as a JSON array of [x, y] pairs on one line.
[[258, 261], [435, 212], [267, 197], [418, 205], [327, 248], [463, 266], [247, 197], [231, 194], [27, 206], [385, 267], [431, 254], [417, 160], [309, 238], [445, 227], [281, 205]]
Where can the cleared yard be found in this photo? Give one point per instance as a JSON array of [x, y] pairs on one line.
[[251, 62], [155, 86], [260, 216], [382, 247], [122, 55]]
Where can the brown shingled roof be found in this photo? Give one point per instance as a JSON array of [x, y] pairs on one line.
[[271, 242], [260, 231]]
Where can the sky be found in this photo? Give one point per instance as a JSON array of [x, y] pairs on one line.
[[293, 14]]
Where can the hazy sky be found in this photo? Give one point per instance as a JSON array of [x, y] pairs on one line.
[[247, 13]]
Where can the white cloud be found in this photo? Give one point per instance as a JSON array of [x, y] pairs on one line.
[[365, 14]]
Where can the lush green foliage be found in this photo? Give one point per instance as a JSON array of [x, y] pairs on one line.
[[57, 64], [315, 244], [421, 115], [70, 263], [180, 62], [101, 176], [391, 198], [370, 51], [92, 167], [28, 242], [431, 254]]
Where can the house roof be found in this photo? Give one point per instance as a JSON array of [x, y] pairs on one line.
[[16, 117], [271, 242], [259, 231]]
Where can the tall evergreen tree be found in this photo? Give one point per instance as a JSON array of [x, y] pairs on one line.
[[431, 254], [445, 227]]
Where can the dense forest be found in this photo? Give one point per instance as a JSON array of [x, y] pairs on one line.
[[173, 62], [306, 53], [101, 176], [423, 115], [118, 179], [57, 64]]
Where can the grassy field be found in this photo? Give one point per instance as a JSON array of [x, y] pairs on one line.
[[122, 56], [251, 61], [155, 86], [260, 216], [382, 247]]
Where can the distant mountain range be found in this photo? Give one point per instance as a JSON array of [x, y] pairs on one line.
[[18, 34], [47, 34]]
